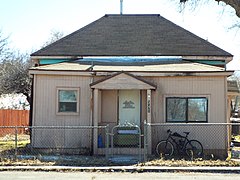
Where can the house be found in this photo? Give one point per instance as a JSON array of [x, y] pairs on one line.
[[127, 69]]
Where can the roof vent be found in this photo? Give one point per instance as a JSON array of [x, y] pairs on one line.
[[121, 7]]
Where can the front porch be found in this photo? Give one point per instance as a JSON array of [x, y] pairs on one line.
[[121, 100]]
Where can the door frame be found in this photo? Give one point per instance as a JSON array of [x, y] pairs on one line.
[[140, 105]]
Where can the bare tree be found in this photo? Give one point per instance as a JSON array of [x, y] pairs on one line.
[[14, 76], [14, 67], [235, 4], [54, 36], [4, 49]]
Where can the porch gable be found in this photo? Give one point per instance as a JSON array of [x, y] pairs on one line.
[[122, 80]]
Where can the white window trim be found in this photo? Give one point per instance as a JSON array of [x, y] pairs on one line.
[[57, 100]]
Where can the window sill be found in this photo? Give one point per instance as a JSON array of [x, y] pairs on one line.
[[67, 113]]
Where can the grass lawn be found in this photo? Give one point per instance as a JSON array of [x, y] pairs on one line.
[[7, 142], [8, 145]]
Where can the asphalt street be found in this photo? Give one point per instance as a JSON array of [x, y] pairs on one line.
[[19, 175]]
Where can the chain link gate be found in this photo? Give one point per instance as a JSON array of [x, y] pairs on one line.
[[125, 144]]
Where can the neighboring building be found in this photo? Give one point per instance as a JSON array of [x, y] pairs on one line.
[[233, 98], [129, 68]]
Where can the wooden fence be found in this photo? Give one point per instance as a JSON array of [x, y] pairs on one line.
[[10, 117]]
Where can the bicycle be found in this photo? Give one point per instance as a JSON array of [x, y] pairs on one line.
[[192, 148]]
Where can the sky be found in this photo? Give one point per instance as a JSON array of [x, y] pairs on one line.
[[28, 23]]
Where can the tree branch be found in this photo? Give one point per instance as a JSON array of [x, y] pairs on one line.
[[234, 4]]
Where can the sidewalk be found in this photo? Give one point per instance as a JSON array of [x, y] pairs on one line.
[[122, 169]]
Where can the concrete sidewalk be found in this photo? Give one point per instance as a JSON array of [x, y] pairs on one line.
[[123, 169]]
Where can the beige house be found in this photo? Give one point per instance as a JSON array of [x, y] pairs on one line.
[[127, 69]]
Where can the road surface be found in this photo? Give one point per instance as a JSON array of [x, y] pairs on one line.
[[16, 175]]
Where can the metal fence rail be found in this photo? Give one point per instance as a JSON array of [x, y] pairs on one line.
[[126, 140], [45, 140], [218, 139]]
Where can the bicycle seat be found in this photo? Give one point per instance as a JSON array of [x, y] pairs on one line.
[[187, 133]]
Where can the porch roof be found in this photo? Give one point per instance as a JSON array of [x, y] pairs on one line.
[[122, 80], [182, 66]]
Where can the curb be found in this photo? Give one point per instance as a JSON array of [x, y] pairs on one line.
[[122, 169]]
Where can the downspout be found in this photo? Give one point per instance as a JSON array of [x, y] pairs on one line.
[[31, 108], [91, 102], [31, 101], [91, 110], [91, 97]]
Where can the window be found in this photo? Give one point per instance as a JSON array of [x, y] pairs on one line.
[[68, 100], [186, 109]]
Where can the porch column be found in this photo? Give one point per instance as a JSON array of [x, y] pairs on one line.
[[95, 119], [149, 120]]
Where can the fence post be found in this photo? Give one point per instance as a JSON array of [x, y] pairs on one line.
[[107, 142], [16, 139], [145, 140], [140, 144]]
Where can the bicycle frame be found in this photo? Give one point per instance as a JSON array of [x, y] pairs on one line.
[[174, 141], [179, 146]]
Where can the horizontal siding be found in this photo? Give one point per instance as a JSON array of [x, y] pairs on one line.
[[45, 108], [211, 87], [45, 111]]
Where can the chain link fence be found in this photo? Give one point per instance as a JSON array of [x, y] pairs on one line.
[[16, 141], [219, 140]]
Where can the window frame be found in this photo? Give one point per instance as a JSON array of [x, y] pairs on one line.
[[58, 100], [187, 108]]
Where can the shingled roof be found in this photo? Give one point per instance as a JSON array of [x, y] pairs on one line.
[[131, 35]]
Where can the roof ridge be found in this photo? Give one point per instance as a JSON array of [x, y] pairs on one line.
[[106, 15]]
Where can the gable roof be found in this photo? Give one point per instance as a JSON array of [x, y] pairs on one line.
[[131, 35]]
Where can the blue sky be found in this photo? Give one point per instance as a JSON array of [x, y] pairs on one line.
[[29, 22]]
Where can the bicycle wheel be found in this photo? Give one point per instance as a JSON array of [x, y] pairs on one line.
[[164, 148], [194, 149]]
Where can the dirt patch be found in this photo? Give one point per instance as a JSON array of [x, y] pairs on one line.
[[101, 161], [29, 160]]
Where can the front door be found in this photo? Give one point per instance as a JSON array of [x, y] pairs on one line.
[[129, 107]]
